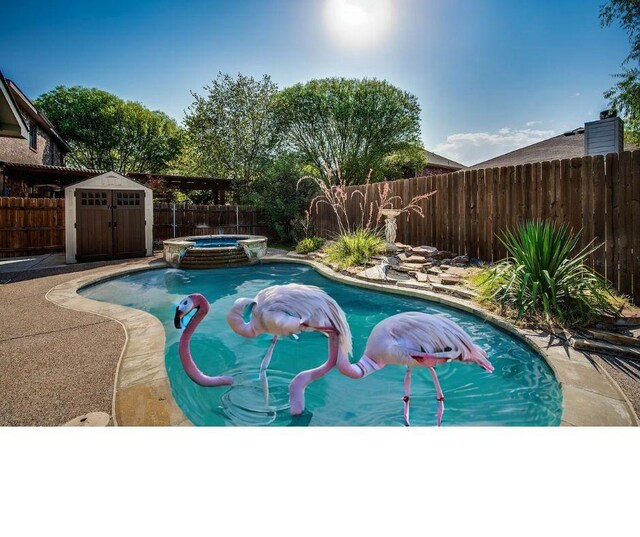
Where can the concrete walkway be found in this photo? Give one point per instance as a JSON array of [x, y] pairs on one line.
[[18, 264], [55, 363]]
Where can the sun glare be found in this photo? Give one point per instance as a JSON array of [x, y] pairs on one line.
[[358, 23]]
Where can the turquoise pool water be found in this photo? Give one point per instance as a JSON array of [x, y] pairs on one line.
[[521, 391], [215, 242]]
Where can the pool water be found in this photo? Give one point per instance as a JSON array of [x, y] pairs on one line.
[[217, 242], [521, 391]]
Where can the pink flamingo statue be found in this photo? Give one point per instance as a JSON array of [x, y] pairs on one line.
[[286, 310], [200, 304], [415, 339]]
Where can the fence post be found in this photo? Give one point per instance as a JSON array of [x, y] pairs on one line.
[[173, 212], [237, 221]]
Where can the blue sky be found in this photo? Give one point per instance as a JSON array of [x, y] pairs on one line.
[[490, 75]]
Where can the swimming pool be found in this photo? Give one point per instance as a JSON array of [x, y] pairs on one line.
[[521, 391]]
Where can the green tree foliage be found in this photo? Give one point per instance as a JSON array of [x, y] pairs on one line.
[[407, 162], [108, 133], [233, 128], [349, 124], [277, 195], [625, 95]]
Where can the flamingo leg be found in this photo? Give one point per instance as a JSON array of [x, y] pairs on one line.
[[439, 396], [301, 380], [407, 396], [263, 369]]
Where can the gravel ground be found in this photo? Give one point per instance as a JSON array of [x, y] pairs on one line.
[[55, 364], [626, 373]]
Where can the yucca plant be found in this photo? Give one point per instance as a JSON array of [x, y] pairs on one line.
[[540, 278], [355, 248]]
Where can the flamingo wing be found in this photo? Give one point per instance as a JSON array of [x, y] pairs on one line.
[[421, 333], [286, 307]]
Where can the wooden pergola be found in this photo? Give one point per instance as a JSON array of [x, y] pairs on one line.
[[56, 178]]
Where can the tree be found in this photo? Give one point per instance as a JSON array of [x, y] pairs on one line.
[[278, 196], [108, 133], [233, 129], [625, 95], [349, 126]]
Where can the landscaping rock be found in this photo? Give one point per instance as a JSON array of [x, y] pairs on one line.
[[461, 259], [415, 259], [422, 277], [424, 251], [443, 254], [434, 270], [450, 279], [374, 273], [409, 267], [395, 276]]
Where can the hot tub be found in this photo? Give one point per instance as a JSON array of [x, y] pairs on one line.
[[211, 251]]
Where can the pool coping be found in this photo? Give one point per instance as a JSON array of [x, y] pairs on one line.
[[142, 393]]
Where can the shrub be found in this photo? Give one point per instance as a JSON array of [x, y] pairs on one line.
[[540, 278], [309, 245], [355, 248]]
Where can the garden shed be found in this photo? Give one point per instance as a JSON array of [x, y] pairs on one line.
[[109, 216]]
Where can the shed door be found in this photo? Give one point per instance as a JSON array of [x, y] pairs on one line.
[[93, 225], [128, 224]]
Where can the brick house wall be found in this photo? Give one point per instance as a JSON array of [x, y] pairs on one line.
[[48, 151], [434, 170]]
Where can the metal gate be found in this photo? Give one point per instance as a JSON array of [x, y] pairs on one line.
[[110, 224]]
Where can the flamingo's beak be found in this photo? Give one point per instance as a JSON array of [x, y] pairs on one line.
[[180, 315], [177, 320]]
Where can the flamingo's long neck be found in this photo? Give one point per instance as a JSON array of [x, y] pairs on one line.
[[184, 350], [301, 380], [236, 320], [358, 370]]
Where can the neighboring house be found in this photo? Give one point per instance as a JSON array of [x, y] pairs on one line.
[[12, 124], [437, 164], [568, 145], [40, 144]]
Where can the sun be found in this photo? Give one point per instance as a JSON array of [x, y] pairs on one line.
[[358, 23]]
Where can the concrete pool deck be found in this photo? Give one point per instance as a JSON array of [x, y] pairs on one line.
[[143, 395]]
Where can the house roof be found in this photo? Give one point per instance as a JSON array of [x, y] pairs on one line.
[[12, 124], [40, 118], [438, 161], [567, 145]]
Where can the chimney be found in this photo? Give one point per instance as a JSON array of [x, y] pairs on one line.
[[604, 136]]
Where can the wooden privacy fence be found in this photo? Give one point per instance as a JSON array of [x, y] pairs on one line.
[[181, 220], [31, 226], [600, 195]]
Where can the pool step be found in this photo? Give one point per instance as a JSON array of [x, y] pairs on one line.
[[203, 258]]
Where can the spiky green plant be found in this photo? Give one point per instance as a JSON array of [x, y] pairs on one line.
[[539, 278], [355, 248], [308, 245]]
